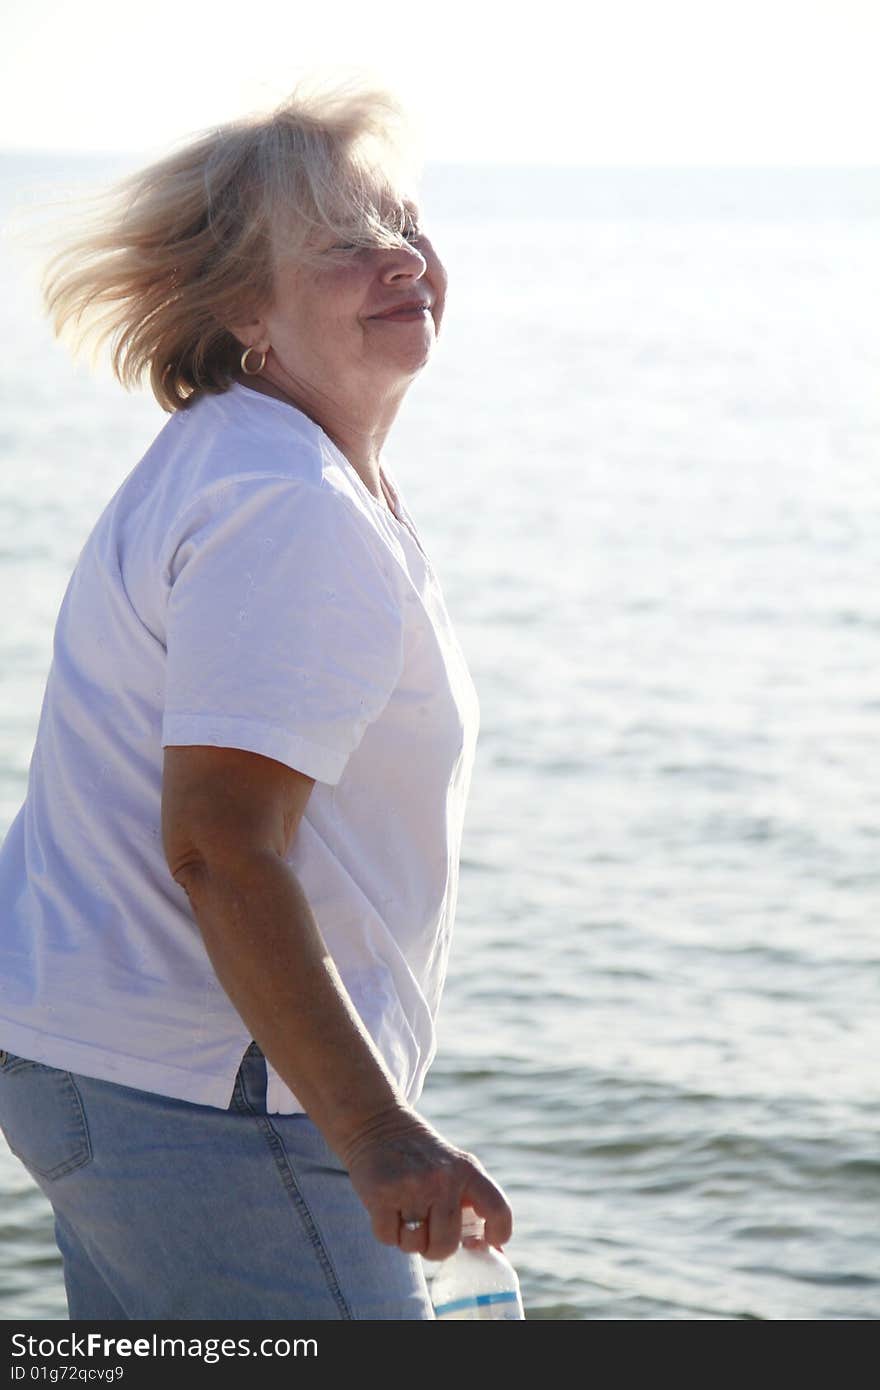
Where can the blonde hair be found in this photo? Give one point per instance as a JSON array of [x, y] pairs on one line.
[[187, 246]]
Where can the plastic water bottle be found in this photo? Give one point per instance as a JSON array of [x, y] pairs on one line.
[[477, 1281]]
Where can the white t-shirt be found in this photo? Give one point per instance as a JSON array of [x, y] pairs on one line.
[[245, 589]]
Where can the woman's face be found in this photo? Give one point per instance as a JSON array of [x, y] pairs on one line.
[[358, 319]]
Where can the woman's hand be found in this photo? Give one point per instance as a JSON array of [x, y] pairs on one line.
[[404, 1171]]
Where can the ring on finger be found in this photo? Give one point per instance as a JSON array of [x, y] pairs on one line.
[[414, 1224]]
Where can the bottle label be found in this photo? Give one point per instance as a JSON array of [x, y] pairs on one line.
[[483, 1305]]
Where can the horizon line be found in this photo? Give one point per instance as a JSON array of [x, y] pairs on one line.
[[45, 151]]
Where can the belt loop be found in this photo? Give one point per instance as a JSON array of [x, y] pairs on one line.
[[249, 1093], [254, 1078]]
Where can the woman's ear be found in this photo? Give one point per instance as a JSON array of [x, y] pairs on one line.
[[253, 334]]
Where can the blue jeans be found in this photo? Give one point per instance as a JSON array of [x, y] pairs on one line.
[[168, 1210]]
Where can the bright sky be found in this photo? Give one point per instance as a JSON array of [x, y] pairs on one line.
[[556, 81]]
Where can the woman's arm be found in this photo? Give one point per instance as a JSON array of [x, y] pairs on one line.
[[228, 819]]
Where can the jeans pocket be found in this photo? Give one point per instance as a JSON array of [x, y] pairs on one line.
[[42, 1117]]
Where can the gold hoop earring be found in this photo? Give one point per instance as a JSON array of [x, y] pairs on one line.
[[253, 371]]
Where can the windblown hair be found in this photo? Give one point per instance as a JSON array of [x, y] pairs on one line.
[[189, 245]]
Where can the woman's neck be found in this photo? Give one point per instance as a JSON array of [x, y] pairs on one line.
[[358, 437]]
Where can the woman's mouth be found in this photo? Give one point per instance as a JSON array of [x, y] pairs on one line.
[[403, 313]]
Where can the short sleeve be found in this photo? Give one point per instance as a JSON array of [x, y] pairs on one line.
[[284, 632]]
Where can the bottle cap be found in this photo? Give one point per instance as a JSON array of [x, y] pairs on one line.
[[472, 1226]]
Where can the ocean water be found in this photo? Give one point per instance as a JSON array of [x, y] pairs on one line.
[[646, 463]]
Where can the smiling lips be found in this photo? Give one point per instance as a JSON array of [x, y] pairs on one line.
[[412, 309]]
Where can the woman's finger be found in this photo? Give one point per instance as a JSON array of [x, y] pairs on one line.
[[386, 1224], [414, 1234], [489, 1201], [444, 1234]]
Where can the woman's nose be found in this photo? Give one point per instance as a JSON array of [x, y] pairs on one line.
[[403, 263]]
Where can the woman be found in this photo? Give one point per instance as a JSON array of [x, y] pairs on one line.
[[227, 898]]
